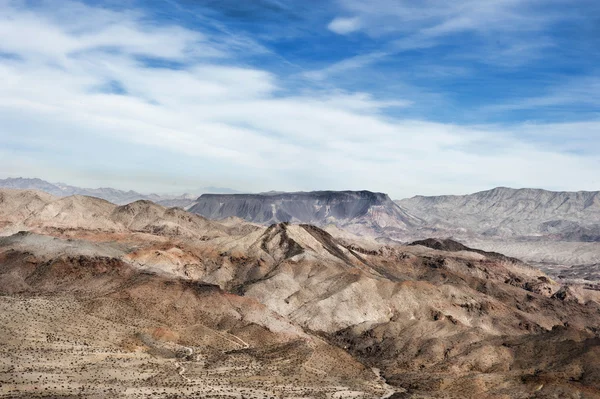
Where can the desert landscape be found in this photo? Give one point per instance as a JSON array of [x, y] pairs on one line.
[[283, 199], [140, 300]]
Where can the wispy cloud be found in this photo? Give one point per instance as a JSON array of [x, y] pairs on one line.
[[346, 65], [505, 33], [344, 26], [433, 18], [582, 91]]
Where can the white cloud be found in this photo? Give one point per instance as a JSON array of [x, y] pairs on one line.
[[94, 28], [433, 18], [581, 90], [343, 26], [228, 124], [505, 33], [348, 64]]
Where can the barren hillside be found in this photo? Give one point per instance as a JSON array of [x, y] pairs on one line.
[[142, 300]]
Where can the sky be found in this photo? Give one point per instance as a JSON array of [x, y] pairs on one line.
[[398, 96]]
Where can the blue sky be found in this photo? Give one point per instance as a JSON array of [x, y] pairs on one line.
[[404, 97]]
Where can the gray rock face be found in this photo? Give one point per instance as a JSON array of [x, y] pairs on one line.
[[374, 211], [504, 212]]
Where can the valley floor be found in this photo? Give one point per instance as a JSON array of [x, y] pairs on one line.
[[53, 348]]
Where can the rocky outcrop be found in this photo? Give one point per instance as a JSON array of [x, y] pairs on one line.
[[449, 245], [364, 212]]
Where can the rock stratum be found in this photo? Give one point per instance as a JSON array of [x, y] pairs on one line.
[[361, 212], [140, 300]]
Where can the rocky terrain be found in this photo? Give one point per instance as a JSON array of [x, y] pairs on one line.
[[360, 212], [141, 300], [554, 230], [508, 213]]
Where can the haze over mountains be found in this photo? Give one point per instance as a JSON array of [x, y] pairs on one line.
[[172, 302], [116, 196]]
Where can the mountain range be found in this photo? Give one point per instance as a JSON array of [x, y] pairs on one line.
[[547, 228], [110, 194], [505, 213], [141, 300], [550, 229], [500, 213]]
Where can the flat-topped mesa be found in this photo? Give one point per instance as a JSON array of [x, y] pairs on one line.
[[316, 207]]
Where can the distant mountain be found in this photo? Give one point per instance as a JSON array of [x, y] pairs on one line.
[[64, 190], [183, 201], [113, 195], [361, 212], [505, 213], [550, 229], [217, 190], [32, 184]]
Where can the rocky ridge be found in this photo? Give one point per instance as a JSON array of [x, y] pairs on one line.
[[551, 229], [285, 306], [506, 213]]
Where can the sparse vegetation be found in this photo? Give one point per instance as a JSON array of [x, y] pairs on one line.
[[282, 312]]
